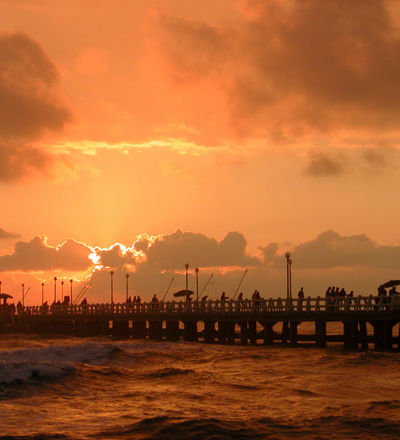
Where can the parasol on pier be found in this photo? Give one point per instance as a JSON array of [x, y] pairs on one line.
[[390, 283], [183, 293], [4, 297]]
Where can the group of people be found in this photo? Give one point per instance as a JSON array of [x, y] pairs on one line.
[[135, 300], [337, 292]]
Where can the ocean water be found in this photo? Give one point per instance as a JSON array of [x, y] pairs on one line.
[[69, 388]]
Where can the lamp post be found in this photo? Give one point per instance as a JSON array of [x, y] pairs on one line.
[[55, 289], [197, 283], [71, 281], [186, 276], [288, 275], [23, 295], [0, 287], [127, 286], [112, 287], [62, 291], [42, 293]]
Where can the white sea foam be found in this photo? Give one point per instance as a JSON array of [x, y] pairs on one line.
[[51, 361]]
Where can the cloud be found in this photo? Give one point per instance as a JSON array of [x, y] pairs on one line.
[[294, 67], [117, 256], [4, 235], [174, 250], [38, 255], [331, 250], [324, 164], [30, 105]]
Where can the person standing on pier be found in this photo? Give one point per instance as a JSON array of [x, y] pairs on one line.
[[300, 298]]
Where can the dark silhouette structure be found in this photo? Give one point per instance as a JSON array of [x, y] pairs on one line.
[[256, 321]]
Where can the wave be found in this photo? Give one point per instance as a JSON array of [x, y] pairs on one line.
[[52, 361], [165, 428], [166, 372]]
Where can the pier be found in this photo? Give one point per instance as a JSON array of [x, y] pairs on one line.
[[364, 322]]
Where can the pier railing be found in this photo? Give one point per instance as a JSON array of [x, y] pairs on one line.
[[261, 306]]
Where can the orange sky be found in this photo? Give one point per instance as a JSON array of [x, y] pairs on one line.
[[278, 120]]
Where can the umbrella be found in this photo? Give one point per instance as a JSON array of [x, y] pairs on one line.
[[183, 293], [4, 297], [390, 283]]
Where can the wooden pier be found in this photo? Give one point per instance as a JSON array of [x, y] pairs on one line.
[[364, 322]]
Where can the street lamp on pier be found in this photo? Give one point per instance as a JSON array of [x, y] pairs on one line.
[[42, 293], [71, 281], [186, 275], [55, 290], [112, 287], [62, 291], [197, 283], [127, 286], [288, 275]]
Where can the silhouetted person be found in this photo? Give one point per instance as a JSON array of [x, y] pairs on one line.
[[240, 297], [138, 299], [300, 297], [328, 292], [393, 291], [223, 296], [351, 294]]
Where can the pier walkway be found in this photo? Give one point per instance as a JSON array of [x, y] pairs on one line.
[[364, 322]]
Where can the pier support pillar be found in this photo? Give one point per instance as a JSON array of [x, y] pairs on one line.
[[268, 332], [209, 331], [155, 330], [350, 335], [120, 329], [285, 332], [190, 331], [172, 330], [139, 329], [293, 333], [320, 333], [243, 332], [362, 326], [252, 332], [379, 335]]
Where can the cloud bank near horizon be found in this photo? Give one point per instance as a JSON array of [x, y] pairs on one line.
[[152, 261]]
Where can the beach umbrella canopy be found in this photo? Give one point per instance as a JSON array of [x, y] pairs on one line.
[[183, 292], [5, 296], [390, 283]]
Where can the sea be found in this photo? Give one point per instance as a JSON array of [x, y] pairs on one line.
[[98, 388]]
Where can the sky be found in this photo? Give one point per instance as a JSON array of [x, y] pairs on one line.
[[140, 136]]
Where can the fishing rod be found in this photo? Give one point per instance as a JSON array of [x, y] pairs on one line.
[[205, 286], [80, 295], [166, 292], [240, 283]]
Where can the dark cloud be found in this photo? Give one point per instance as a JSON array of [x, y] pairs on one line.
[[294, 65], [7, 235], [376, 158], [174, 250], [115, 257], [324, 164], [37, 255], [30, 105], [331, 250]]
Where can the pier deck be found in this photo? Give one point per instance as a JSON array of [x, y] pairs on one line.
[[365, 322]]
